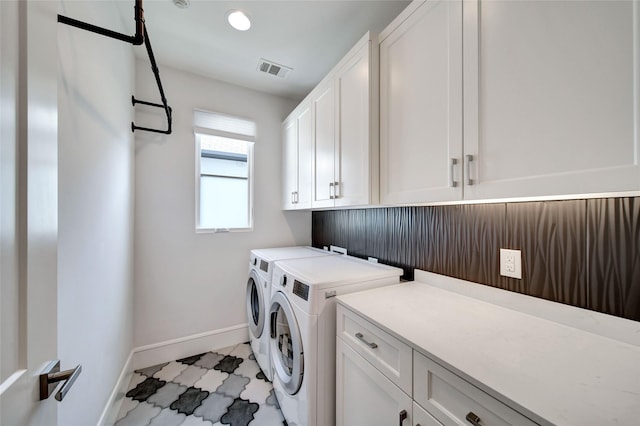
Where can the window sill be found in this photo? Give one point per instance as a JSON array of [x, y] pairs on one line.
[[222, 230]]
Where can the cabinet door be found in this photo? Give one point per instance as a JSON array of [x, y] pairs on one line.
[[323, 147], [421, 104], [422, 418], [355, 143], [305, 158], [290, 164], [364, 397], [552, 92]]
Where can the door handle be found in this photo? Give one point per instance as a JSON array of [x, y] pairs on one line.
[[370, 344], [452, 166], [50, 377], [469, 159], [402, 416]]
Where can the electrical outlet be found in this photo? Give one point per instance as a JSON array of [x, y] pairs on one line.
[[338, 249], [511, 263]]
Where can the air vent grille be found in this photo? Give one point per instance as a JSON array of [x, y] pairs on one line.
[[272, 68]]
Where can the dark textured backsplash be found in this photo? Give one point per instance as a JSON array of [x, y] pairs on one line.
[[584, 253]]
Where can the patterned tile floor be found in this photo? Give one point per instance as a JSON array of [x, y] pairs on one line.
[[225, 387]]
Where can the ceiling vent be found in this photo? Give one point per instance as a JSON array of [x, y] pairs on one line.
[[272, 68]]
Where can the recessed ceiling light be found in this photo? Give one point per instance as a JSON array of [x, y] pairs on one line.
[[182, 4], [238, 20]]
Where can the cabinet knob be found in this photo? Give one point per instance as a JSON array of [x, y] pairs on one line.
[[473, 419]]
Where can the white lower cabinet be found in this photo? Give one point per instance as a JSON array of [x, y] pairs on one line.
[[421, 417], [455, 401], [365, 397], [368, 390]]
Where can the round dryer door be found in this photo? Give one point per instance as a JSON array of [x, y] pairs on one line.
[[286, 344], [255, 305]]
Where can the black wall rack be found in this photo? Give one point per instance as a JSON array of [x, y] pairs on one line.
[[141, 36]]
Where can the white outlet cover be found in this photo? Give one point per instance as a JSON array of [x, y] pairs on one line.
[[511, 263]]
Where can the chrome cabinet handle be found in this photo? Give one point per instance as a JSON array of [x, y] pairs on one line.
[[473, 419], [402, 416], [452, 165], [297, 197], [336, 187], [468, 169], [52, 375], [361, 337], [331, 191], [293, 199]]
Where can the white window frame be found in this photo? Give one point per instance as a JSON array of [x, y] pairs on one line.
[[197, 131]]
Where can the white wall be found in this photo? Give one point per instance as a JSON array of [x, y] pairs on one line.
[[95, 276], [188, 283]]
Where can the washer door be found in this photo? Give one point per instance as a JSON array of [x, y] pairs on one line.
[[255, 305], [285, 344]]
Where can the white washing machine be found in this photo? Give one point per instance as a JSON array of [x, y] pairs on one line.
[[259, 296], [303, 330]]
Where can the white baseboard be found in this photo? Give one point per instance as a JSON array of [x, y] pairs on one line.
[[170, 350], [111, 410]]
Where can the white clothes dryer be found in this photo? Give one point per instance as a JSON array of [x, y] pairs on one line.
[[259, 295], [303, 330]]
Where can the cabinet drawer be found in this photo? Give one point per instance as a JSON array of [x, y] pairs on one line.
[[385, 352], [451, 399]]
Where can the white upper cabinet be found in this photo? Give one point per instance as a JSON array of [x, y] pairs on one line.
[[551, 97], [305, 152], [297, 150], [324, 164], [357, 147], [336, 133], [421, 104], [290, 163], [346, 144], [549, 92]]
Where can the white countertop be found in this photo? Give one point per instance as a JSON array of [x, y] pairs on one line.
[[552, 363]]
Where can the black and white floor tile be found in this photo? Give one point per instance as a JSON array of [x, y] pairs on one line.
[[222, 387]]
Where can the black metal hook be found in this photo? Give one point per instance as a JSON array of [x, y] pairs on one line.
[[141, 36]]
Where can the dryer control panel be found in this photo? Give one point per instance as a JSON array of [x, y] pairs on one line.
[[301, 290]]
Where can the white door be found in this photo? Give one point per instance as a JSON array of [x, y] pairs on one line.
[[324, 147], [353, 169], [364, 396], [422, 418], [28, 212], [305, 158], [285, 344], [421, 104], [551, 97], [290, 163]]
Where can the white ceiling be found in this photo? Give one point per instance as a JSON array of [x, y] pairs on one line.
[[309, 36]]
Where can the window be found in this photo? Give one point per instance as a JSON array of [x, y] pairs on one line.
[[224, 169]]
